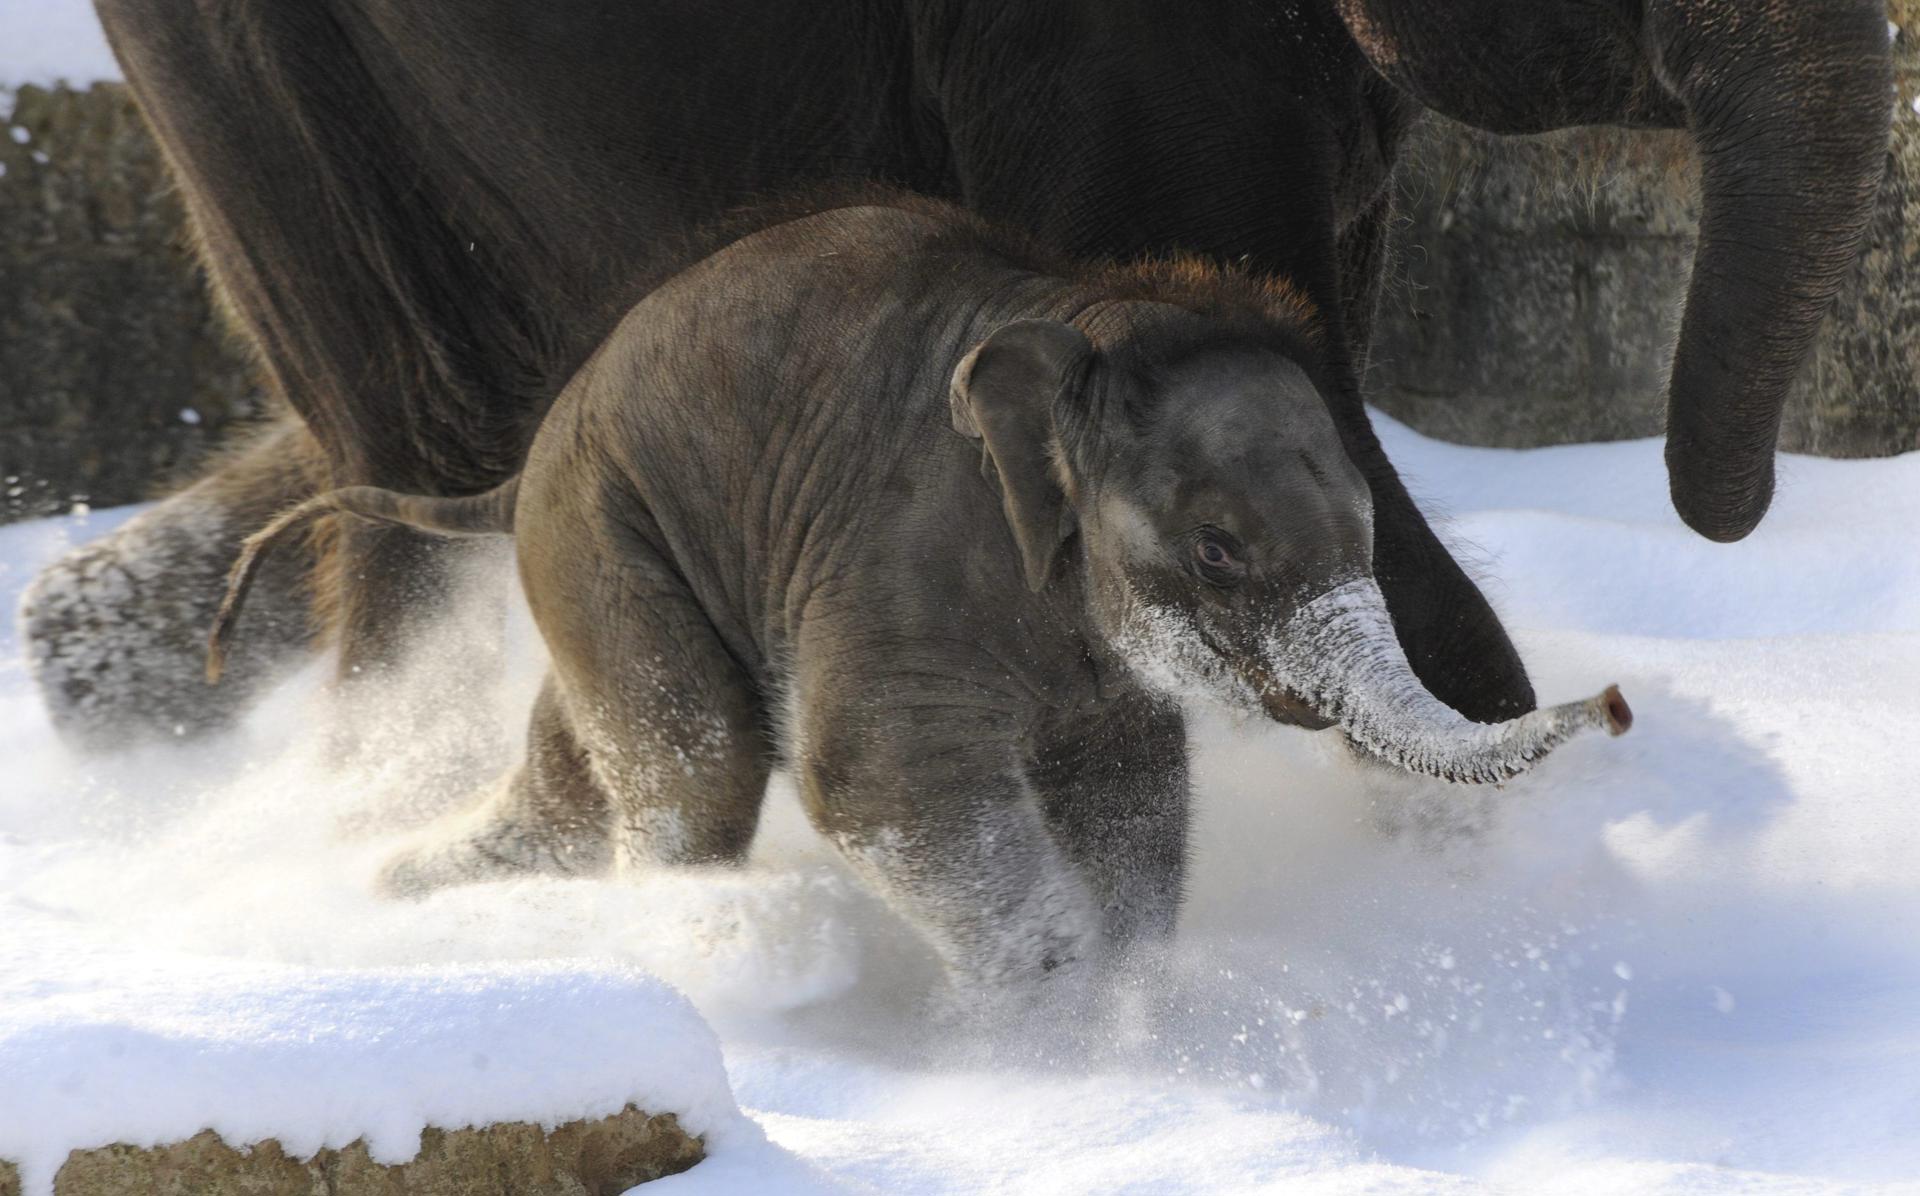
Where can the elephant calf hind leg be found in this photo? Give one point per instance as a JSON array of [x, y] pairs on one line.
[[676, 732], [549, 817], [646, 747]]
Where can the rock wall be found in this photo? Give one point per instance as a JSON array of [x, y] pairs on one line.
[[1537, 285], [115, 373], [1533, 298], [580, 1158]]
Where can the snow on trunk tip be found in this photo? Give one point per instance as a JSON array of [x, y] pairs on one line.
[[1340, 654]]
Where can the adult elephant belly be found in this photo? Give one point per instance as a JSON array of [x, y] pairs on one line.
[[463, 197]]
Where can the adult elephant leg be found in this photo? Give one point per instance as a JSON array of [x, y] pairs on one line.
[[1362, 248], [116, 631], [407, 350], [1452, 636], [386, 588]]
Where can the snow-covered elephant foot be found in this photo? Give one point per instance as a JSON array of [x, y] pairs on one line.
[[115, 632]]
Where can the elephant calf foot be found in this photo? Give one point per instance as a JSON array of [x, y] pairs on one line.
[[1001, 905], [549, 817], [492, 843]]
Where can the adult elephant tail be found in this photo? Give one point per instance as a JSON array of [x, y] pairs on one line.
[[1789, 104]]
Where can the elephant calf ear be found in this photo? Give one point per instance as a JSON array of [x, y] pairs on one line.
[[1003, 395]]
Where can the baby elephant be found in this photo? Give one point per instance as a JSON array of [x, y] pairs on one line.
[[949, 528]]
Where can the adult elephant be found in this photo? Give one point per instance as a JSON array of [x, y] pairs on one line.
[[426, 214]]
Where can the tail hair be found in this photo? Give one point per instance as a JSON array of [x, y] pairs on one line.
[[487, 514]]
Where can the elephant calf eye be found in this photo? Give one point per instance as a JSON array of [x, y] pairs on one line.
[[1216, 560]]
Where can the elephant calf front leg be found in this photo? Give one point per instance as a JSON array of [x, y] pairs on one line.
[[956, 841], [1115, 791], [1000, 902]]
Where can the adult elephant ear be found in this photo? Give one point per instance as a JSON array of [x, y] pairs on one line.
[[1005, 394]]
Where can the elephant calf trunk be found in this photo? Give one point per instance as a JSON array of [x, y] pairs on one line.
[[1341, 657], [490, 513]]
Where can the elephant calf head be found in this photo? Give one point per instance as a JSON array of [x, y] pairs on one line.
[[1227, 534]]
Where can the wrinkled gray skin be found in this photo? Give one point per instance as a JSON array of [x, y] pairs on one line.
[[861, 493]]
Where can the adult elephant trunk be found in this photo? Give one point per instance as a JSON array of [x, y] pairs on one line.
[[1789, 103], [1340, 657]]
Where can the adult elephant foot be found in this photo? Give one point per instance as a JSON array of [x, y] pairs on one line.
[[115, 632]]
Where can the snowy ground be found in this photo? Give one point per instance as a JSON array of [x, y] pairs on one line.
[[1683, 961]]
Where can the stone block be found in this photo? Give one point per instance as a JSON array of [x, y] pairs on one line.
[[601, 1157]]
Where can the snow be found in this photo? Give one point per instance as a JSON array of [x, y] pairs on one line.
[[1683, 961], [53, 41]]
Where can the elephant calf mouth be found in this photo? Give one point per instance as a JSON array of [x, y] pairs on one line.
[[1284, 706]]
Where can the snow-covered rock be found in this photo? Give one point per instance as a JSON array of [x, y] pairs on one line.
[[149, 1049]]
